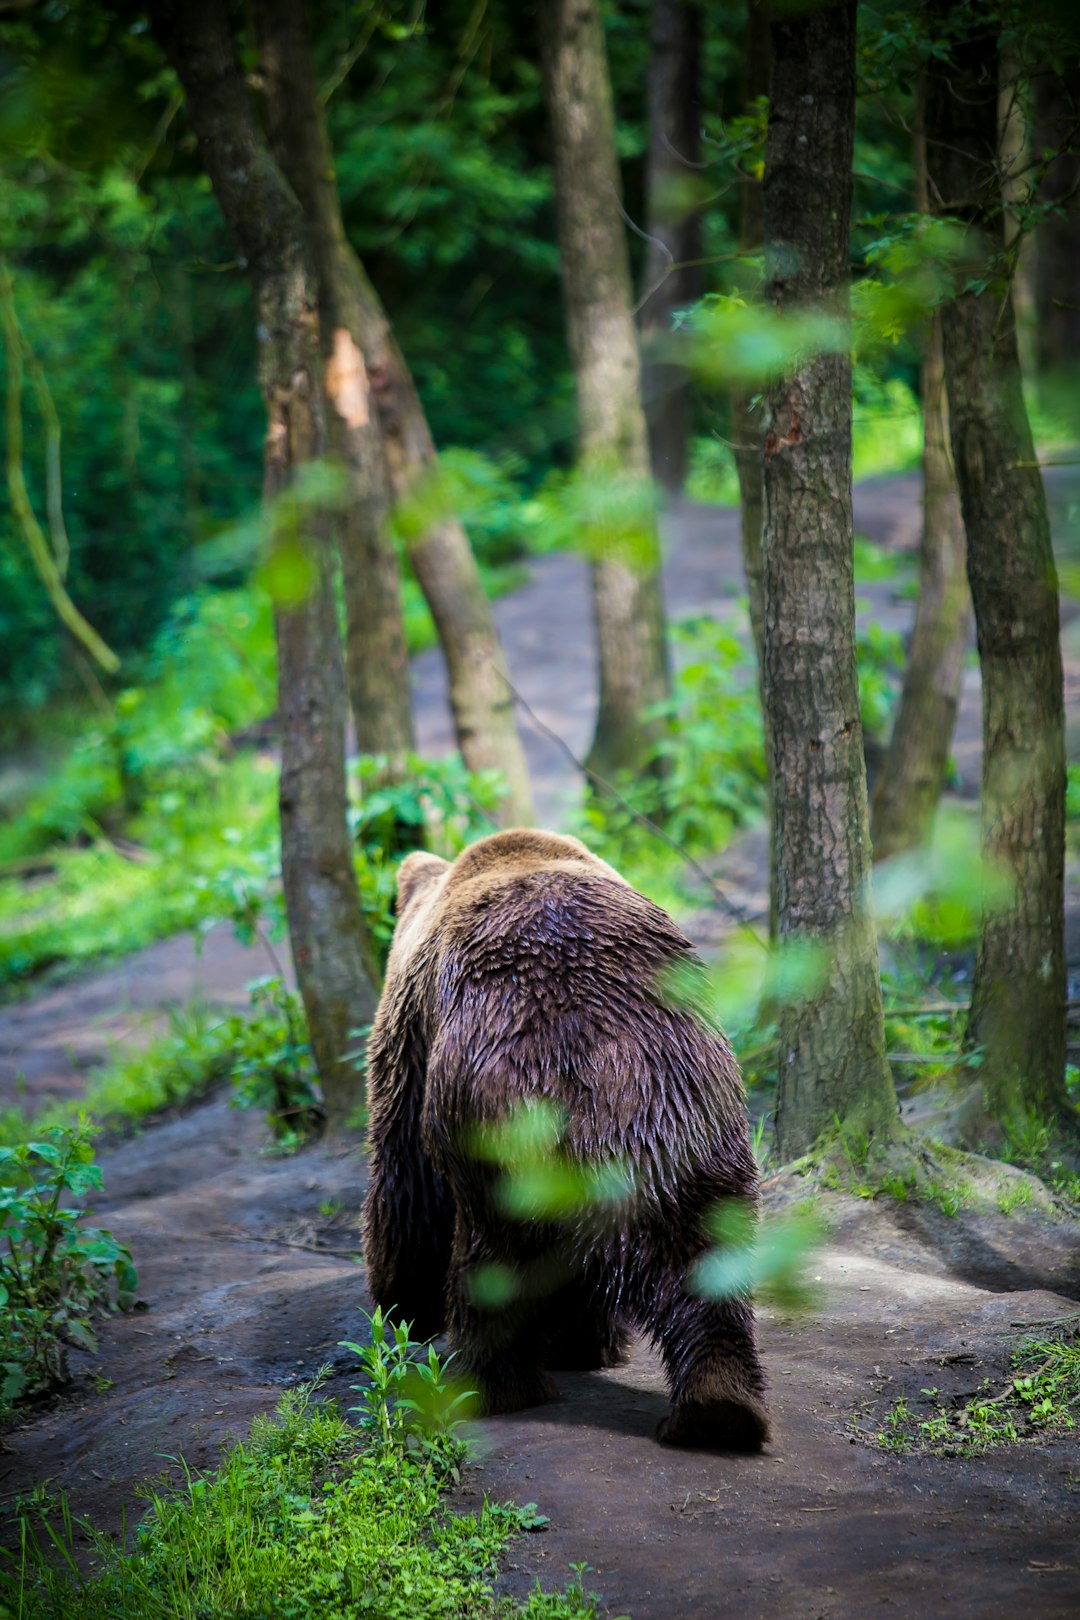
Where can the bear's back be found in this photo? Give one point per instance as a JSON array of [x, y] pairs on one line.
[[552, 982]]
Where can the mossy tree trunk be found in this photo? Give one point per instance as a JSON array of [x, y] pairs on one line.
[[831, 1062], [330, 946], [1018, 996], [912, 778], [672, 274], [376, 656], [614, 452]]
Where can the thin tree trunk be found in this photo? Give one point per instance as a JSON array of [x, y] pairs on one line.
[[1018, 997], [672, 277], [1057, 236], [480, 699], [613, 443], [329, 941], [376, 655], [912, 779], [1016, 188], [831, 1062], [746, 429]]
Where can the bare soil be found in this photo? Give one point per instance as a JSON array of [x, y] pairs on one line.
[[249, 1279]]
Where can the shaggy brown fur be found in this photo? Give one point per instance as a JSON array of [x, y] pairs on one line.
[[529, 969]]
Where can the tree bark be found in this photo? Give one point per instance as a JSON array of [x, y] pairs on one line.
[[1018, 996], [912, 779], [831, 1063], [388, 457], [746, 431], [672, 277], [613, 442], [376, 655], [330, 946], [1057, 236]]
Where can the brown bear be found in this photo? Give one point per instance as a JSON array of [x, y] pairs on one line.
[[526, 971]]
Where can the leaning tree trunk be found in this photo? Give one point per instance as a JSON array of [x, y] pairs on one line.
[[912, 779], [831, 1062], [672, 278], [376, 655], [365, 365], [481, 699], [1018, 996], [627, 600], [329, 942]]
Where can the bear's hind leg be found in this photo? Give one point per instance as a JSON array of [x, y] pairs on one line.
[[497, 1346], [710, 1355], [583, 1333]]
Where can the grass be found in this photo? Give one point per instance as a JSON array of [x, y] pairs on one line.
[[309, 1515], [1040, 1399]]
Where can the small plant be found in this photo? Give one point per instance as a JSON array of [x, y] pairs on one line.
[[894, 1434], [272, 1066], [407, 1404], [55, 1274], [1040, 1397]]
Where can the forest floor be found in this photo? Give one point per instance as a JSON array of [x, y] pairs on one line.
[[248, 1273]]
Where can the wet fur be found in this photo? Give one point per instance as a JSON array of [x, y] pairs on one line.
[[529, 969]]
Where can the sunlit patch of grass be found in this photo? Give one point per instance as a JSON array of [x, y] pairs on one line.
[[1040, 1398]]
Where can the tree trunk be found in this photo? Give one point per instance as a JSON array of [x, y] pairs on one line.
[[746, 430], [1018, 996], [613, 443], [1057, 237], [376, 656], [672, 277], [329, 942], [481, 701], [912, 779], [831, 1062]]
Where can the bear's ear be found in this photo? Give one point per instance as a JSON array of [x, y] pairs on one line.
[[416, 874]]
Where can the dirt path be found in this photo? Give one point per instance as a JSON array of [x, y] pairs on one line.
[[246, 1269]]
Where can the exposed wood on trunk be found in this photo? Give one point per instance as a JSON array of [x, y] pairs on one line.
[[672, 277], [912, 778], [831, 1062], [1018, 996], [613, 443], [376, 656], [329, 941]]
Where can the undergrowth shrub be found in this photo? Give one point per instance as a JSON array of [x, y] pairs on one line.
[[713, 765], [56, 1275]]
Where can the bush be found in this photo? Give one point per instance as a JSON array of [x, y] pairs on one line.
[[55, 1274]]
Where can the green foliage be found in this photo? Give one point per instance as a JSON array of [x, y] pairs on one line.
[[271, 1064], [879, 657], [55, 1274], [302, 1518], [539, 1178], [939, 894], [712, 759], [764, 1256]]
